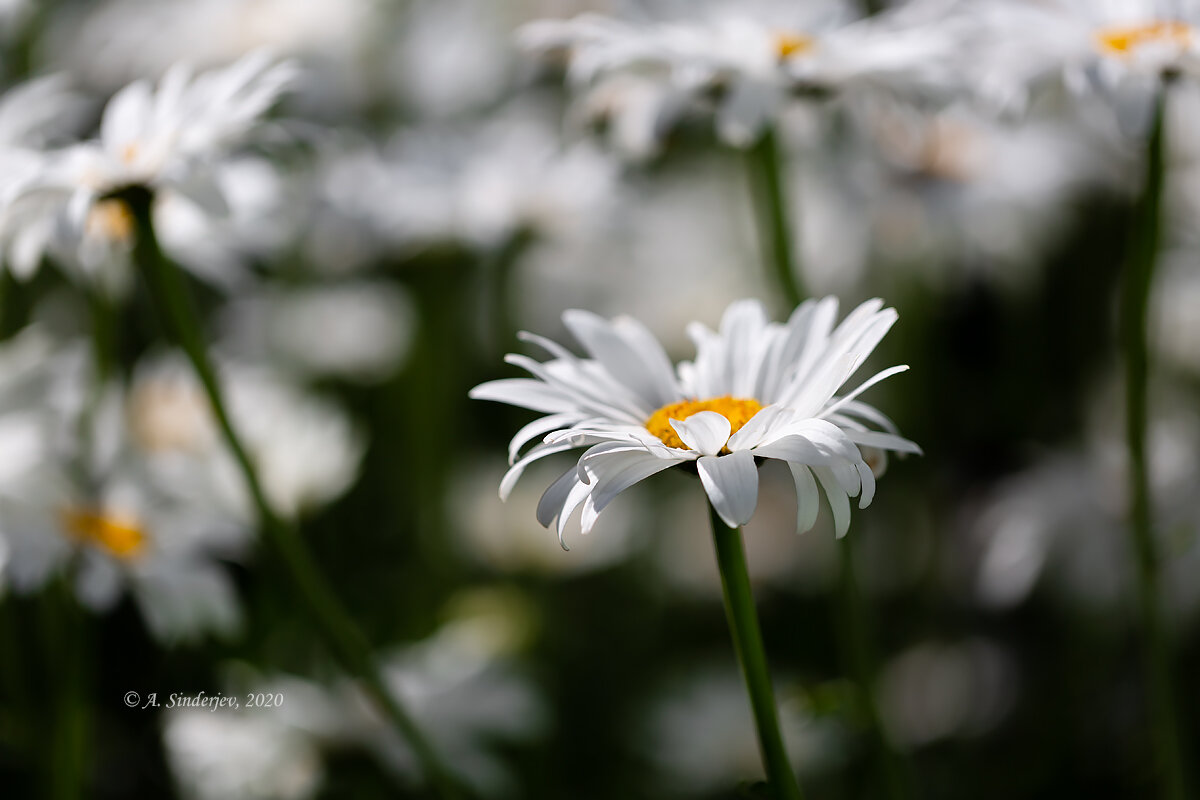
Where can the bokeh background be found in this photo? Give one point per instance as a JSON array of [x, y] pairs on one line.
[[426, 190]]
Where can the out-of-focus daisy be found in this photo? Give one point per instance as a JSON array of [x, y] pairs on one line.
[[463, 684], [132, 487], [756, 389], [751, 56], [171, 138], [83, 499], [472, 186], [1061, 523], [1109, 43], [33, 115], [936, 690], [961, 186], [113, 43], [359, 330], [305, 450]]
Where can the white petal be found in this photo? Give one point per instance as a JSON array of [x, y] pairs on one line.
[[551, 503], [732, 485], [884, 441], [839, 502], [514, 472], [757, 428], [808, 500], [524, 393], [705, 432], [868, 484], [539, 427], [867, 384], [621, 347], [613, 474]]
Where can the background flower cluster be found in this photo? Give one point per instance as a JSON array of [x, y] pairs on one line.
[[369, 198]]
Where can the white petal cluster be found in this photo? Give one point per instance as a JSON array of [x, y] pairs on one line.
[[172, 137], [144, 463], [794, 371], [752, 56]]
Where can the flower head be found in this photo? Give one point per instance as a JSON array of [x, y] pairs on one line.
[[172, 138], [750, 56], [756, 389]]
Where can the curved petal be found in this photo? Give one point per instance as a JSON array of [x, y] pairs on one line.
[[705, 432], [808, 499], [839, 502], [732, 485]]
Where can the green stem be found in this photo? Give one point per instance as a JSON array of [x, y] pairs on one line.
[[858, 657], [347, 643], [1137, 279], [764, 161], [747, 643], [66, 652]]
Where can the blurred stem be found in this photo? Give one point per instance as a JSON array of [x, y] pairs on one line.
[[104, 333], [174, 304], [858, 658], [1135, 288], [747, 643], [67, 656], [765, 163]]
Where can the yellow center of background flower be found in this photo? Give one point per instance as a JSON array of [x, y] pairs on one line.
[[735, 409], [790, 44], [1122, 40], [121, 536], [112, 220]]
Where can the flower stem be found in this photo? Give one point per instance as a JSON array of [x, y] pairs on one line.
[[764, 162], [347, 643], [67, 649], [1137, 279], [747, 643]]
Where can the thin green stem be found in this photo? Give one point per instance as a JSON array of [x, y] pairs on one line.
[[747, 643], [858, 657], [765, 163], [1135, 288], [67, 655], [347, 643]]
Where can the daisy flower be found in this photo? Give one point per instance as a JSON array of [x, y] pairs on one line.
[[1088, 43], [755, 390], [751, 56], [172, 139]]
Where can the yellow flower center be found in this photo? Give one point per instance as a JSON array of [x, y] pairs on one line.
[[122, 536], [112, 220], [1123, 40], [791, 44], [737, 410]]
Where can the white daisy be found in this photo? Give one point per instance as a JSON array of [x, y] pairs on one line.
[[756, 389], [473, 185], [132, 489], [752, 55], [171, 138], [1087, 43], [80, 497]]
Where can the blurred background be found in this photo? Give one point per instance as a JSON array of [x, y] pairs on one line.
[[422, 192]]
